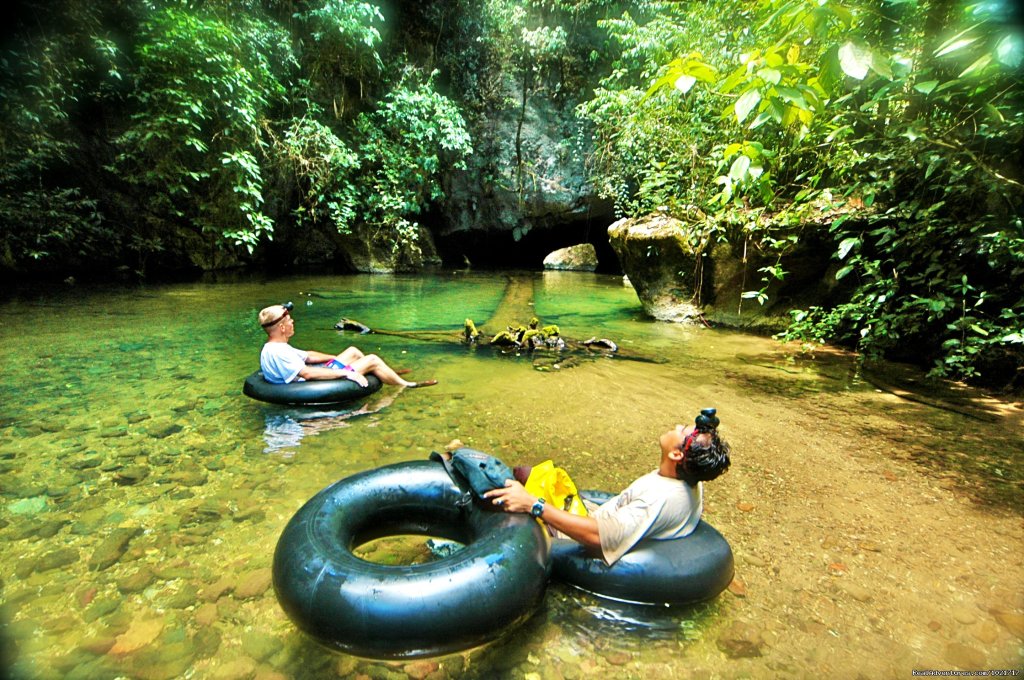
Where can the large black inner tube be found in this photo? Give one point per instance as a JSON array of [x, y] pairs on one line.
[[308, 392], [685, 570], [388, 612]]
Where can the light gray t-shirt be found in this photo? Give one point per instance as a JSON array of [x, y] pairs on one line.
[[652, 507], [281, 363]]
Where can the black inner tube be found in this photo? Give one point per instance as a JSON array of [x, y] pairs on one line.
[[407, 611], [308, 392]]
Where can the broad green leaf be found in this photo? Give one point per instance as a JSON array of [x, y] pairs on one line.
[[854, 60], [846, 246], [684, 83], [844, 271], [701, 71], [995, 114], [770, 75], [731, 150], [746, 103], [734, 79], [926, 87], [738, 170], [880, 65], [955, 45], [978, 329], [979, 64], [792, 95], [842, 13], [1010, 50], [761, 119]]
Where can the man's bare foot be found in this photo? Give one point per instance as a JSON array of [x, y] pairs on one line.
[[424, 383]]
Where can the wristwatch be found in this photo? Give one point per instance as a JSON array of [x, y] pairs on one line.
[[538, 508]]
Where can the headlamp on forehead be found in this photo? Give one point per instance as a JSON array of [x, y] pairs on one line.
[[288, 307]]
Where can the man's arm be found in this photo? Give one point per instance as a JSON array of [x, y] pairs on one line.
[[514, 498], [314, 357]]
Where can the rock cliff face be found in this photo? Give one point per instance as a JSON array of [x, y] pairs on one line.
[[363, 253], [517, 202]]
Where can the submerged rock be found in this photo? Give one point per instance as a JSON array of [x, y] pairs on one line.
[[253, 584], [56, 559], [162, 427], [740, 641], [113, 547], [27, 506]]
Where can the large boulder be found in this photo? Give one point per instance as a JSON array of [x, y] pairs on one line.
[[727, 283], [661, 263], [579, 258]]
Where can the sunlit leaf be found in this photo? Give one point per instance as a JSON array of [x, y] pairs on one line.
[[746, 103], [949, 48], [739, 168], [760, 120], [770, 75], [926, 87], [684, 83], [854, 60], [792, 95], [1010, 50], [880, 65], [846, 246], [979, 64]]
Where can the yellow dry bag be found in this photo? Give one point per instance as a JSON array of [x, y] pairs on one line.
[[556, 487]]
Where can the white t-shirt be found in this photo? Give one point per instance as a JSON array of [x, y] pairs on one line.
[[281, 363], [652, 507]]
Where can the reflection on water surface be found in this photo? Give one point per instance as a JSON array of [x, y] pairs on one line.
[[875, 531]]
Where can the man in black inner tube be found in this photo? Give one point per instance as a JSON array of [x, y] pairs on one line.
[[665, 503], [282, 363]]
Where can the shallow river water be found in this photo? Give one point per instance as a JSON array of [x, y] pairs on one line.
[[877, 529]]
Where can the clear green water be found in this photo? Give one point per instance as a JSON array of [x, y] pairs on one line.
[[874, 534]]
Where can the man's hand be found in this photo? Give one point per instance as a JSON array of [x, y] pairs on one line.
[[512, 498], [355, 377]]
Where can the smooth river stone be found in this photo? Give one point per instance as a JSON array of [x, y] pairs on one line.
[[113, 547]]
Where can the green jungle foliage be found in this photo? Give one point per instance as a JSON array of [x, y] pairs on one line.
[[186, 131], [899, 119], [157, 134]]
